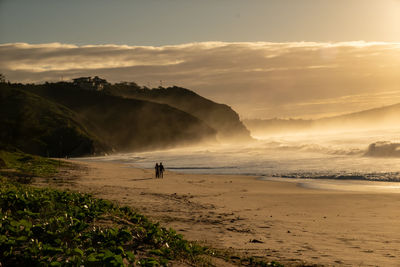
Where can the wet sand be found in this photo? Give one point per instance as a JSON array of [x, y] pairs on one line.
[[280, 220]]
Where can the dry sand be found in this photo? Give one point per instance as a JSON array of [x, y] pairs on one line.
[[280, 220]]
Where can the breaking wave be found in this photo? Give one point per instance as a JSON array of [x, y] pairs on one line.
[[348, 156], [383, 149], [316, 148]]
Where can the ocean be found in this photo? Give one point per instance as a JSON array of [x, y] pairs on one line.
[[334, 157]]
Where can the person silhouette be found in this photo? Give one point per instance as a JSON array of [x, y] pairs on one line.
[[157, 170], [161, 167]]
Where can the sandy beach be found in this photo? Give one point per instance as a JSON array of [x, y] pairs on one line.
[[280, 220]]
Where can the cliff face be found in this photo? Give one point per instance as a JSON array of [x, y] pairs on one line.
[[220, 117], [35, 125], [127, 124]]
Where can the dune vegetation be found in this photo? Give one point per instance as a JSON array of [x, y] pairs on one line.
[[47, 226]]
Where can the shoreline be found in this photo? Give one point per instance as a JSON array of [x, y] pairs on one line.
[[366, 186], [345, 178], [274, 219]]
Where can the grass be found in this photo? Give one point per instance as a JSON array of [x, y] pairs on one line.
[[23, 167]]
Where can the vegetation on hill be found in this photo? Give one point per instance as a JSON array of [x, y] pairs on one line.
[[36, 125], [220, 117], [79, 118], [127, 124], [62, 119]]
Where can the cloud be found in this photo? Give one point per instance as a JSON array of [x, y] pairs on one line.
[[258, 79]]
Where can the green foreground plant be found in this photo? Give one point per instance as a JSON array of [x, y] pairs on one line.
[[52, 227]]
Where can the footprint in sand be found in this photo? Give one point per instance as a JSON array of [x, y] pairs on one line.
[[368, 251], [308, 248]]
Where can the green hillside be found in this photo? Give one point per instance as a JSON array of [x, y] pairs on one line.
[[127, 124], [219, 116], [35, 125]]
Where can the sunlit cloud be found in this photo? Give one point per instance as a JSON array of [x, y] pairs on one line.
[[258, 79]]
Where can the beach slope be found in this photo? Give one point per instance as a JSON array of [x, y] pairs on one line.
[[278, 220]]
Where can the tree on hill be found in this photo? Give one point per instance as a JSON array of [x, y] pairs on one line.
[[2, 78]]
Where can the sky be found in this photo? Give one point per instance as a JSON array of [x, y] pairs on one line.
[[265, 58]]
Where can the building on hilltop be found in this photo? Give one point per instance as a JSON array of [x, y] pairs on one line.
[[89, 83]]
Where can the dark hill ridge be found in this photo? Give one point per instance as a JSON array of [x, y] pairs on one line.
[[35, 125], [127, 124], [220, 117], [376, 116], [387, 116]]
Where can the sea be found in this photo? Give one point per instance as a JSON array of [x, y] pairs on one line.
[[345, 160]]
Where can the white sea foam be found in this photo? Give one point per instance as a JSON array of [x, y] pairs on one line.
[[336, 156], [348, 185], [383, 149]]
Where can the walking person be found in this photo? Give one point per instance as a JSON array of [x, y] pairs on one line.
[[161, 167], [157, 170]]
